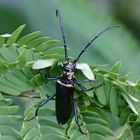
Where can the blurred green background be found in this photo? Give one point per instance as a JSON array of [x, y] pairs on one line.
[[82, 20]]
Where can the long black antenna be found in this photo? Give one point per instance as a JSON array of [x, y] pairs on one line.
[[63, 35], [115, 26]]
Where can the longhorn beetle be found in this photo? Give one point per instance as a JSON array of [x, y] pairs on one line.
[[64, 101]]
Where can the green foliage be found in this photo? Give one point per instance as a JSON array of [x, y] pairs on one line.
[[82, 20], [9, 117], [116, 102]]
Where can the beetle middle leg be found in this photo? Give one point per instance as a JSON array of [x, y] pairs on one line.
[[85, 81], [40, 105], [43, 103], [76, 119]]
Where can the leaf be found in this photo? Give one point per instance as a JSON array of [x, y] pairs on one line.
[[43, 63], [101, 113], [86, 70], [5, 101], [82, 137], [37, 80], [114, 95], [21, 59], [9, 133], [138, 84], [27, 71], [97, 128], [2, 38], [17, 81], [47, 45], [123, 133], [11, 40], [3, 67], [97, 137], [6, 35], [54, 50], [52, 42], [36, 42], [11, 84], [94, 67], [101, 95], [25, 39], [133, 103], [94, 124], [31, 131], [8, 90], [108, 74], [107, 88], [136, 131], [124, 78], [124, 114], [116, 67], [7, 54], [8, 110], [9, 117], [2, 41]]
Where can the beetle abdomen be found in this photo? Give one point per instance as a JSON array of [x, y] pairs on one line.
[[64, 101]]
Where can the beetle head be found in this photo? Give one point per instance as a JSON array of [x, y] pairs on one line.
[[69, 70], [69, 67]]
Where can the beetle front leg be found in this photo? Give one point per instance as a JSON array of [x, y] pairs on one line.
[[76, 118], [45, 76]]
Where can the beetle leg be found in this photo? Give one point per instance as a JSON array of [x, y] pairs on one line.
[[85, 89], [87, 80], [43, 103], [45, 76], [52, 78], [40, 105], [76, 118]]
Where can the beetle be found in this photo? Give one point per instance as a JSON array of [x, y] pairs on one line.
[[65, 83]]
